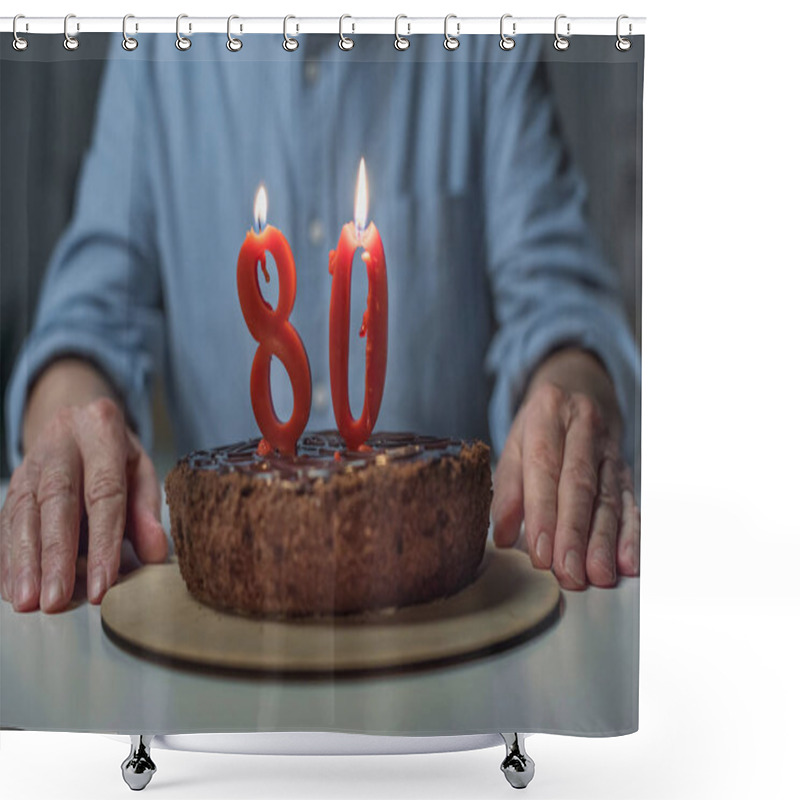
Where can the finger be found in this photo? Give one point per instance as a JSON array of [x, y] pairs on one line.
[[630, 530], [507, 508], [5, 552], [601, 552], [144, 507], [577, 489], [59, 494], [542, 453], [6, 575], [104, 450], [24, 577]]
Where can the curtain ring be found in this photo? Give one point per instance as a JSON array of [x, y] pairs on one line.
[[344, 42], [290, 44], [18, 43], [233, 44], [181, 42], [622, 44], [451, 42], [70, 42], [507, 42], [400, 42], [128, 42], [561, 43]]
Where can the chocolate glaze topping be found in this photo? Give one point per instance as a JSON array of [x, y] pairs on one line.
[[317, 458]]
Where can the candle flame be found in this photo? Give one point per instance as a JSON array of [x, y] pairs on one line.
[[362, 199], [260, 207]]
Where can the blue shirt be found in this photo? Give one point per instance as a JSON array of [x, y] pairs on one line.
[[490, 263]]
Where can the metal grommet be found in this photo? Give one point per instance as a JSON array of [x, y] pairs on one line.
[[344, 42], [561, 43], [451, 42], [290, 44], [181, 42], [18, 43], [622, 44], [507, 42], [128, 42], [233, 44], [400, 42], [70, 42]]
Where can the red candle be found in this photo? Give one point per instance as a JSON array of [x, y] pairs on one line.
[[374, 325], [272, 330]]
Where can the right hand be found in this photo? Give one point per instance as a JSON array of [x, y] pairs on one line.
[[85, 461]]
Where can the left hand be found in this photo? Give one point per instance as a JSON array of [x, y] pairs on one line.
[[561, 471]]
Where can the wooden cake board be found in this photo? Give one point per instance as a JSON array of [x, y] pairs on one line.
[[152, 612]]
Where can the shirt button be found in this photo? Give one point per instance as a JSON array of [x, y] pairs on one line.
[[311, 71], [320, 397], [316, 232]]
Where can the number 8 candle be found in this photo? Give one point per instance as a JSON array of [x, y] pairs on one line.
[[272, 330], [374, 324]]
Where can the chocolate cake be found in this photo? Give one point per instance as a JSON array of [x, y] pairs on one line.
[[330, 531]]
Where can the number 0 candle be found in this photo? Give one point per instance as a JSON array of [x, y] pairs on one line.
[[272, 330], [374, 324]]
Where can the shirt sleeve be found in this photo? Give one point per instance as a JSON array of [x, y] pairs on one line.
[[551, 285], [101, 297]]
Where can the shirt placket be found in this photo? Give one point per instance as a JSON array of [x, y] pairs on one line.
[[315, 211]]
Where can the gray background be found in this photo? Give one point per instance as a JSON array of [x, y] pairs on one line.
[[47, 99]]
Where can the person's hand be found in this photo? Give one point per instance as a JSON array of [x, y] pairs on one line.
[[84, 461], [561, 471]]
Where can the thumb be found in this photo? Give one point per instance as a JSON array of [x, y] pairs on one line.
[[144, 508], [507, 505]]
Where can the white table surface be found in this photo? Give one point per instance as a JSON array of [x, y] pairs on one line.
[[61, 672]]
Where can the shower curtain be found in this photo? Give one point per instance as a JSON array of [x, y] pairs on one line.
[[497, 293]]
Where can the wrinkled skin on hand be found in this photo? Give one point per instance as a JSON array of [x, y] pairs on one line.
[[561, 473], [85, 462]]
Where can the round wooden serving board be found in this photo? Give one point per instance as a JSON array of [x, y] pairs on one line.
[[152, 612]]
